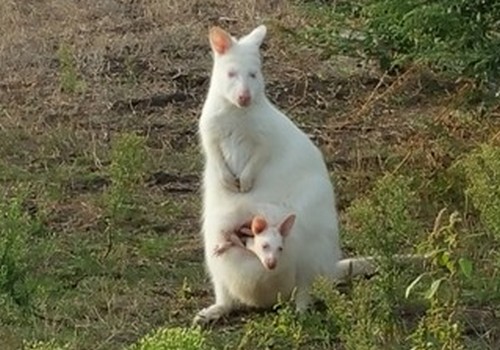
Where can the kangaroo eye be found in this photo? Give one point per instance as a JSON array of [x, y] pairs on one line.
[[231, 74], [253, 75], [280, 249], [265, 246]]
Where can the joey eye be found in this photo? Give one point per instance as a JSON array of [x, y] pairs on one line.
[[231, 74], [265, 246], [253, 75]]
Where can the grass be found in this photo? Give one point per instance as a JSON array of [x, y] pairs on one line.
[[100, 175]]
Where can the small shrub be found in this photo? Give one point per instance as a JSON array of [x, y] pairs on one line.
[[282, 330], [128, 164], [382, 222], [69, 80], [41, 345], [457, 37], [16, 229], [172, 339], [444, 285], [361, 316], [482, 170]]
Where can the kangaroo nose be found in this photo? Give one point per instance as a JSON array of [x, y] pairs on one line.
[[244, 99], [271, 263]]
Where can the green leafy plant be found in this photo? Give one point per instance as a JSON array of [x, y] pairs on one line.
[[42, 345], [383, 224], [175, 338], [69, 79], [458, 37], [482, 170], [380, 224], [16, 229], [361, 317], [439, 328], [128, 163], [280, 330]]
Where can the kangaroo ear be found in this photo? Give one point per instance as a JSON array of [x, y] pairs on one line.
[[259, 224], [220, 40], [287, 224], [256, 37]]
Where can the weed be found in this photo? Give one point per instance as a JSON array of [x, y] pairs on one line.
[[384, 218], [172, 339], [482, 170], [439, 329], [128, 163], [281, 330], [40, 345], [69, 80], [17, 229], [362, 318], [131, 77]]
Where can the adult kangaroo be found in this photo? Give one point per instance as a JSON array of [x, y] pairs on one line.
[[256, 154]]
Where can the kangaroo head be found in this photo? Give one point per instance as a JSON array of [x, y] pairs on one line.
[[237, 75], [268, 240]]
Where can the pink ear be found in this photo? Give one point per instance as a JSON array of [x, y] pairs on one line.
[[259, 224], [287, 224], [220, 40]]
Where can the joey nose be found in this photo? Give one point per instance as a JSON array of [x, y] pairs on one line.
[[271, 263], [244, 99]]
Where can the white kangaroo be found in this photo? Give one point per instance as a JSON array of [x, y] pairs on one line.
[[254, 153]]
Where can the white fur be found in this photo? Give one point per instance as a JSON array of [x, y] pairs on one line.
[[274, 162]]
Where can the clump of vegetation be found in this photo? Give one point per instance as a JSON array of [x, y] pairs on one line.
[[482, 172], [70, 82], [175, 338], [17, 229], [40, 345], [129, 160], [482, 169], [281, 330], [457, 37], [386, 213], [381, 224], [443, 280]]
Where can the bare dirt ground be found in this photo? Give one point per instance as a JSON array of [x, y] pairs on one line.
[[74, 75]]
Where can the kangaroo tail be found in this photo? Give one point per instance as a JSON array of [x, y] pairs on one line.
[[366, 266], [351, 267]]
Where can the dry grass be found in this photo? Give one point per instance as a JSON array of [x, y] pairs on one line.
[[143, 67]]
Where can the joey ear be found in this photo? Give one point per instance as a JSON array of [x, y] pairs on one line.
[[220, 40], [287, 224], [259, 224], [256, 36]]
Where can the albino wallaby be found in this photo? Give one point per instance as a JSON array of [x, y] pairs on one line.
[[264, 238], [254, 153]]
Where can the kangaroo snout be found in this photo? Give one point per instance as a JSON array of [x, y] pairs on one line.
[[271, 263], [244, 99]]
